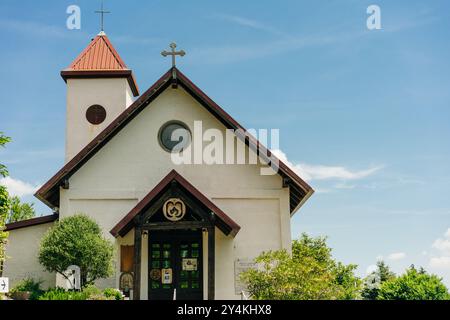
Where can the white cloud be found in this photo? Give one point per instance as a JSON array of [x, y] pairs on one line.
[[34, 28], [253, 24], [345, 186], [321, 172], [396, 256], [440, 256], [442, 245], [371, 268], [440, 263], [18, 187], [447, 234], [282, 44]]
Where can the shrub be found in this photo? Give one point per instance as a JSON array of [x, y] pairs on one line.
[[113, 293], [91, 290], [77, 240], [414, 285], [89, 293], [310, 273], [28, 285], [61, 294]]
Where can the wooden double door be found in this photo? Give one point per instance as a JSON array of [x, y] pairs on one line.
[[175, 265]]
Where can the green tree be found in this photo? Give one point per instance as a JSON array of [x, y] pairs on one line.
[[310, 273], [414, 285], [20, 211], [3, 141], [4, 212], [373, 281], [4, 206], [77, 240]]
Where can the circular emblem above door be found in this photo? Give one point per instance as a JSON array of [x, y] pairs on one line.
[[174, 209]]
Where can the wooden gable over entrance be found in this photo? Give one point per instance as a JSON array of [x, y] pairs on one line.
[[202, 215]]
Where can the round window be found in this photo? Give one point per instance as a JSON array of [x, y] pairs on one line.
[[96, 114], [174, 136]]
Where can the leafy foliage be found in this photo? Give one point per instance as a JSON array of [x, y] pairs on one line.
[[414, 285], [28, 285], [88, 293], [375, 280], [114, 294], [60, 294], [3, 141], [20, 211], [77, 240], [310, 273], [4, 206], [4, 211]]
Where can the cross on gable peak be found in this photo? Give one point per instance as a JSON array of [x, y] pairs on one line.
[[173, 53]]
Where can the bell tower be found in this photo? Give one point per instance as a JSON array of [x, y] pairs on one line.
[[99, 88]]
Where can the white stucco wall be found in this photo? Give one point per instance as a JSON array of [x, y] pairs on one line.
[[114, 95], [133, 162], [22, 252]]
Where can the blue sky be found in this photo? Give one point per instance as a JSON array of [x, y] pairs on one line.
[[364, 115]]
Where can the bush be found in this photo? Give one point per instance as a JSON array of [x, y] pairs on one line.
[[28, 285], [310, 273], [414, 285], [77, 240], [89, 293], [61, 294], [91, 290], [113, 293]]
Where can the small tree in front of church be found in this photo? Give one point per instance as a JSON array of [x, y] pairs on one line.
[[77, 240], [310, 273]]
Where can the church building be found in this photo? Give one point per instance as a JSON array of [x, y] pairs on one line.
[[180, 230]]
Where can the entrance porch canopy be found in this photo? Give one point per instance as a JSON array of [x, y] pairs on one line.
[[221, 220]]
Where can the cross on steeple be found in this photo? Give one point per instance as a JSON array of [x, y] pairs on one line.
[[173, 53], [102, 12]]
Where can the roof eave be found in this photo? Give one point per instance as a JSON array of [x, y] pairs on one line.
[[31, 222], [301, 203], [228, 226], [99, 74], [144, 100]]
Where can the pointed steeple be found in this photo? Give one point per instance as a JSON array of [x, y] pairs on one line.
[[100, 60]]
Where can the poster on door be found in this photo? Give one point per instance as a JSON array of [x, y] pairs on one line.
[[190, 265], [166, 277]]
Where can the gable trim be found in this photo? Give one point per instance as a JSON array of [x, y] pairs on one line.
[[31, 222], [223, 221], [299, 190]]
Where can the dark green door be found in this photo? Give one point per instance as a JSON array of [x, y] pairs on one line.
[[175, 262]]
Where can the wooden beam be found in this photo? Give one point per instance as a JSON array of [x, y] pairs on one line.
[[137, 263], [176, 225], [211, 262]]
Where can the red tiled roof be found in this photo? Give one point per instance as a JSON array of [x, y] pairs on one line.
[[99, 55], [100, 60]]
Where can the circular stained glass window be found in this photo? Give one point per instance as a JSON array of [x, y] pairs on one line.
[[174, 136], [96, 114]]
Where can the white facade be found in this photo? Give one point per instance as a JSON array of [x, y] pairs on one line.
[[111, 183], [130, 164], [22, 256]]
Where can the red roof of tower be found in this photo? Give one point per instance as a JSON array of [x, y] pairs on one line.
[[100, 60]]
